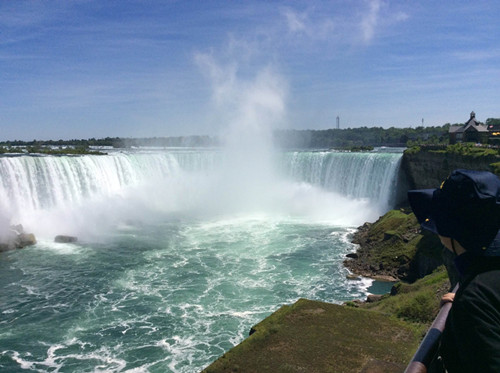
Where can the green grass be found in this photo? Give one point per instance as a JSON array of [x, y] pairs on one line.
[[470, 150], [418, 302], [413, 150], [495, 168], [466, 149], [313, 336]]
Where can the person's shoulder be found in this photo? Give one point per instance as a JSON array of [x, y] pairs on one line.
[[483, 269], [480, 294]]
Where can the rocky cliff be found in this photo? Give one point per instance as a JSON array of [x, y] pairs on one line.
[[427, 167], [395, 248]]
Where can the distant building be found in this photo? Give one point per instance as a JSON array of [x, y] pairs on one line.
[[471, 131], [494, 130]]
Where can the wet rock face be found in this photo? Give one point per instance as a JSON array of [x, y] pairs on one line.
[[16, 238]]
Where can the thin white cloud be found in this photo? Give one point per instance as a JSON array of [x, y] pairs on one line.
[[478, 55], [313, 27], [370, 19], [295, 21], [401, 16], [320, 23]]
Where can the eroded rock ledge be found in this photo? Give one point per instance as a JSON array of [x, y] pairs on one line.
[[394, 248]]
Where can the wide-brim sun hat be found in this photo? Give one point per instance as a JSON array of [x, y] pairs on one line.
[[466, 207]]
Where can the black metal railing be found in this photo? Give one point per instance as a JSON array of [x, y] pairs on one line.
[[428, 347]]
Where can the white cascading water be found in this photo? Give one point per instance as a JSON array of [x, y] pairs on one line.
[[50, 194], [371, 176]]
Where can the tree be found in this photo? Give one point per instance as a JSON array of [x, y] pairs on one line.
[[492, 121]]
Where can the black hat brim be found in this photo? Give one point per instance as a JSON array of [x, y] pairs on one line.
[[421, 202]]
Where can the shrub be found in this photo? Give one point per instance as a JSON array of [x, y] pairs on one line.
[[421, 308]]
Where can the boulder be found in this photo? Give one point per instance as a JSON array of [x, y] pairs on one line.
[[373, 298], [65, 239], [26, 239], [16, 238], [352, 276]]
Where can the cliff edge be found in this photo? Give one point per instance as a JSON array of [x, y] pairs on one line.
[[427, 166]]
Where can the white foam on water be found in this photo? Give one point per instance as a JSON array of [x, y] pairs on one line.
[[31, 290], [60, 248], [23, 364]]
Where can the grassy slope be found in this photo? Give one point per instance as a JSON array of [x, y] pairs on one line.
[[418, 302], [311, 336]]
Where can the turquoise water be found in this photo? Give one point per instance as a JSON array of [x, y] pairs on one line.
[[171, 275], [168, 297]]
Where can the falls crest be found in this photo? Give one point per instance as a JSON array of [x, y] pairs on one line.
[[88, 188]]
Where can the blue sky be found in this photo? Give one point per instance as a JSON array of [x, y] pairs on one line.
[[82, 69]]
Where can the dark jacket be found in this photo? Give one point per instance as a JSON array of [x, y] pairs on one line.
[[471, 339]]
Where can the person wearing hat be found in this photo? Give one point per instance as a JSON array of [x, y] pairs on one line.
[[465, 212]]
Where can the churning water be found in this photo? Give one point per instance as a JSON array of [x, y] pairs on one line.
[[180, 251]]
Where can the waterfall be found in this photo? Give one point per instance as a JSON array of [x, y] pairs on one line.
[[91, 190], [370, 176]]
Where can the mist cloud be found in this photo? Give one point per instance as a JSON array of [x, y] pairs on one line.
[[248, 95]]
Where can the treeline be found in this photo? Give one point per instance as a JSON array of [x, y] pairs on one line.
[[288, 139], [49, 150], [108, 141], [117, 142], [363, 136]]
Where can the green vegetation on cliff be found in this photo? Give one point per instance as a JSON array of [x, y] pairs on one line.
[[417, 302], [394, 246], [397, 241], [473, 150], [495, 168], [428, 166], [465, 149]]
